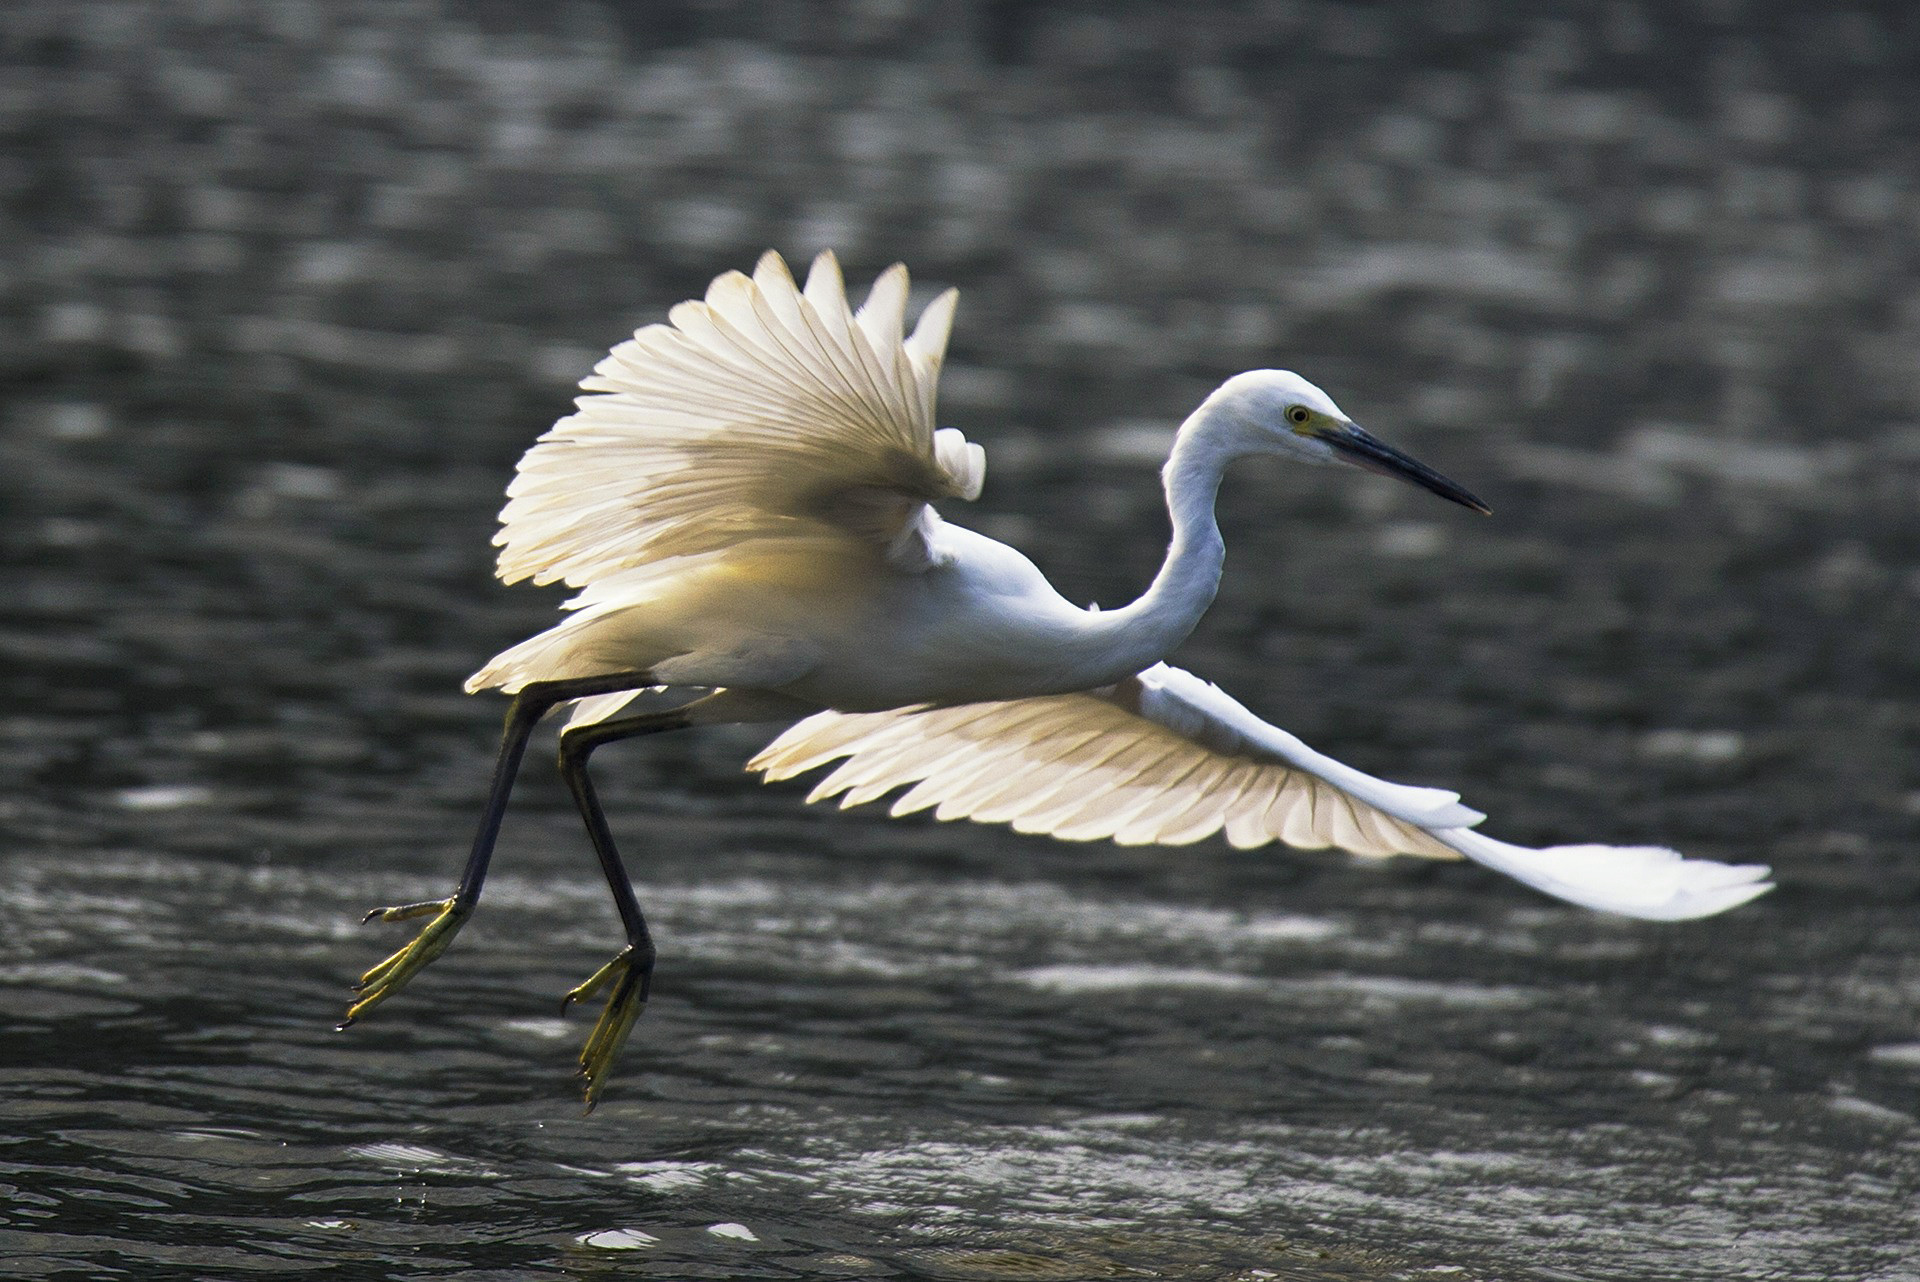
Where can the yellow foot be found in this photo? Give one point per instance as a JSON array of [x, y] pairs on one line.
[[386, 979], [631, 976]]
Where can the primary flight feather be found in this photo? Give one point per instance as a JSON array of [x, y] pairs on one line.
[[744, 501]]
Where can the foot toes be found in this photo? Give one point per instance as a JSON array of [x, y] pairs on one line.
[[387, 978], [406, 912], [615, 969], [624, 1005]]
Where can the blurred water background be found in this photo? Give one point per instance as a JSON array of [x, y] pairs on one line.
[[285, 288]]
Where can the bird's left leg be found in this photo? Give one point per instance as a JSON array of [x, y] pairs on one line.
[[630, 973], [449, 915]]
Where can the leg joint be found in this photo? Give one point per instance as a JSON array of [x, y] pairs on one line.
[[578, 742], [542, 695]]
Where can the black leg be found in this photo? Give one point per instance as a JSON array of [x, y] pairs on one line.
[[631, 970], [528, 706]]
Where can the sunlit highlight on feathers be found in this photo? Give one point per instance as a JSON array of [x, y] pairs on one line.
[[757, 409]]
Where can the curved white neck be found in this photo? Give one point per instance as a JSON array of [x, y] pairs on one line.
[[1138, 635]]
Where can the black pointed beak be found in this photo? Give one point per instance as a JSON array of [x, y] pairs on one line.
[[1362, 448]]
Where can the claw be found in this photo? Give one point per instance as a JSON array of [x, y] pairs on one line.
[[406, 912], [598, 980], [629, 997], [389, 976]]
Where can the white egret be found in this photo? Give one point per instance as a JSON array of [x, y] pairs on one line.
[[744, 501]]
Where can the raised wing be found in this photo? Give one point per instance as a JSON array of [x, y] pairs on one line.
[[761, 412], [1165, 758]]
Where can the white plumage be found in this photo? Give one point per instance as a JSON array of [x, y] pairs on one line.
[[756, 414], [743, 500], [1166, 759], [1161, 758]]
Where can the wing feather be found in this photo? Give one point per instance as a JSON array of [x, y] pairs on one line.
[[927, 348], [1343, 825], [1298, 821], [1039, 805], [1164, 758], [1246, 828], [761, 411], [1104, 805], [1017, 796], [1186, 782]]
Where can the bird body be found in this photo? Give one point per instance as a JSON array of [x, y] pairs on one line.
[[744, 502], [837, 628]]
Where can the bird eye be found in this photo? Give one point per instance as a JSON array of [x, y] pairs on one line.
[[1297, 415]]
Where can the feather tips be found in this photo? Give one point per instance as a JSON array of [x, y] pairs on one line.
[[1166, 759], [759, 411], [1140, 763]]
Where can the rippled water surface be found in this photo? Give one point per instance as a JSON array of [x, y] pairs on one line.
[[284, 290], [877, 1050]]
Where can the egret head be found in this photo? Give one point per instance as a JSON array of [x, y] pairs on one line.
[[1275, 411]]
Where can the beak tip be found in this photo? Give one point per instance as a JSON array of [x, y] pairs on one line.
[[1455, 494], [1360, 448]]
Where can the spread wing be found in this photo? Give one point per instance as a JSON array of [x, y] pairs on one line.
[[1165, 758], [762, 411]]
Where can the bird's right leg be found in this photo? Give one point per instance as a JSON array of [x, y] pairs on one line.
[[449, 915], [630, 973]]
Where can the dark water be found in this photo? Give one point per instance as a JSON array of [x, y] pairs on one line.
[[883, 1058], [285, 288]]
